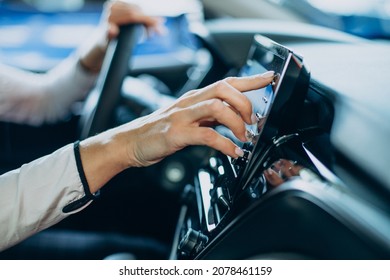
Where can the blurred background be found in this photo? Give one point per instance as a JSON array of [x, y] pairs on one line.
[[37, 34]]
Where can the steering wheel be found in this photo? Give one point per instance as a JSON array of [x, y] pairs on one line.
[[99, 108]]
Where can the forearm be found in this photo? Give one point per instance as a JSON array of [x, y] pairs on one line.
[[34, 99], [92, 53]]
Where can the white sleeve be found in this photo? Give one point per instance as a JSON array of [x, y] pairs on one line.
[[35, 99], [34, 196]]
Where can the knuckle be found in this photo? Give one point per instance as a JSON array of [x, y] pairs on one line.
[[190, 92], [216, 106], [221, 86], [209, 137], [230, 80], [240, 128], [247, 105]]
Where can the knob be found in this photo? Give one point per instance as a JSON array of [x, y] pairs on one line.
[[192, 242]]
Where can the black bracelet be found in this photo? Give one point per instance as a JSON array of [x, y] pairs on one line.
[[88, 195]]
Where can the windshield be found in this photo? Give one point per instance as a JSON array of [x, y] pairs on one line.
[[366, 18], [375, 8]]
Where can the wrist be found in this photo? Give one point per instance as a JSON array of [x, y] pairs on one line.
[[92, 61], [102, 158], [92, 54]]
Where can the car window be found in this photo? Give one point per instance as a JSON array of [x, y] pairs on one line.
[[366, 18]]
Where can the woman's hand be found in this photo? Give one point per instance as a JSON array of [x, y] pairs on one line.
[[115, 14], [187, 121]]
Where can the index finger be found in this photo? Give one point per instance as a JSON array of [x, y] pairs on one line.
[[229, 90], [251, 82]]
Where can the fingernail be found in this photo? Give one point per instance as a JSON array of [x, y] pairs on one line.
[[268, 74], [270, 171], [254, 118], [239, 152]]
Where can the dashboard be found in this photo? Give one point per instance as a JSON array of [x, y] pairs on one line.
[[314, 181], [311, 185]]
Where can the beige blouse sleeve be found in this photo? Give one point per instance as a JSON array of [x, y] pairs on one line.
[[34, 99], [33, 197]]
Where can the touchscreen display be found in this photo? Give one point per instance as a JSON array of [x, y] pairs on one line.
[[261, 99], [277, 105], [262, 60]]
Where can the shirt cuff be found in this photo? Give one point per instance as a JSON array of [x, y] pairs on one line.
[[88, 197]]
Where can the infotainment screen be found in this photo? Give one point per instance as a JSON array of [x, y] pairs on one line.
[[261, 99], [266, 55], [278, 104]]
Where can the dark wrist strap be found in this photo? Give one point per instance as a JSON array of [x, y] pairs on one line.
[[80, 169], [88, 195]]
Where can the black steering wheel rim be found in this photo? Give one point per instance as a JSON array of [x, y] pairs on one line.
[[98, 112]]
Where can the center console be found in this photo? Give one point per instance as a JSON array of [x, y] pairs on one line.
[[222, 205]]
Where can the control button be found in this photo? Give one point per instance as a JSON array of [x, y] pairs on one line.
[[248, 146], [221, 198], [240, 162], [192, 242], [215, 166]]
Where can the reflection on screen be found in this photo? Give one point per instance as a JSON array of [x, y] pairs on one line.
[[262, 60], [261, 99]]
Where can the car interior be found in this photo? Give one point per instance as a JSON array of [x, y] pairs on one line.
[[314, 181]]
